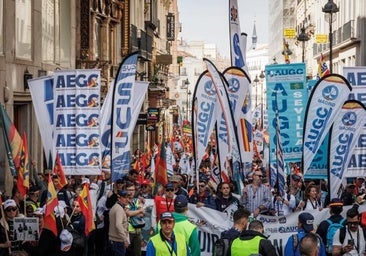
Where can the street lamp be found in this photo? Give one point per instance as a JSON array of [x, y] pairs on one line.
[[262, 76], [188, 93], [188, 97], [303, 37], [330, 8]]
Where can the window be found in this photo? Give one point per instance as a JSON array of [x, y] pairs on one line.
[[48, 31], [65, 31], [97, 42], [23, 29]]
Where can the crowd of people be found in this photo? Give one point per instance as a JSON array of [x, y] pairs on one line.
[[119, 207]]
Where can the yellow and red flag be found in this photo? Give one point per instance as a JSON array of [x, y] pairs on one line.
[[52, 202], [86, 209], [322, 67], [23, 171], [161, 168], [58, 170]]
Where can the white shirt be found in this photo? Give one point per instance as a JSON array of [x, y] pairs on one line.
[[351, 235]]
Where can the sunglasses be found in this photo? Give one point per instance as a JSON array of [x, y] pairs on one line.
[[11, 209], [354, 223], [202, 185], [260, 176], [169, 189]]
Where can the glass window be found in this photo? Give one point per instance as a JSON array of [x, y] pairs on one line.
[[23, 29], [48, 31], [97, 45], [1, 26], [65, 31]]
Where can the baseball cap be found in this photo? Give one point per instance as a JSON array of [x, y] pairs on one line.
[[335, 202], [123, 193], [180, 201], [9, 203], [166, 216], [119, 181], [307, 220], [175, 178], [169, 186], [66, 240]]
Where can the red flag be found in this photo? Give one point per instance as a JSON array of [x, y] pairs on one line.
[[23, 172], [86, 209], [59, 171], [322, 67], [161, 172], [52, 202]]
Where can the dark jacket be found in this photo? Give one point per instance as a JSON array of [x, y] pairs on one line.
[[265, 246], [223, 203], [207, 199]]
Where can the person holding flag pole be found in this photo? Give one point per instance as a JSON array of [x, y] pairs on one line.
[[7, 243]]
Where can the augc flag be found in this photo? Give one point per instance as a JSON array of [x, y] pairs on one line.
[[344, 135], [122, 110], [237, 44], [326, 99]]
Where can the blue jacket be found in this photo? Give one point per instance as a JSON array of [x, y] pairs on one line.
[[291, 251]]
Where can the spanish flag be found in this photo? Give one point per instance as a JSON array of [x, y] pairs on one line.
[[58, 170], [23, 171], [86, 209], [52, 202], [161, 168]]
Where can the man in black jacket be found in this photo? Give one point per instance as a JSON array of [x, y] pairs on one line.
[[252, 241]]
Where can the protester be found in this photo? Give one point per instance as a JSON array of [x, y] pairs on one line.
[[164, 203], [7, 238], [166, 242], [350, 240], [359, 186], [203, 196], [184, 226], [118, 226], [134, 207], [335, 210], [348, 195], [282, 204], [305, 226], [311, 200], [256, 197], [252, 242], [177, 181], [309, 245], [240, 218], [32, 200]]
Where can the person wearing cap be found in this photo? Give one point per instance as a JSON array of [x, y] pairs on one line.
[[32, 200], [164, 203], [112, 195], [184, 226], [253, 242], [118, 225], [177, 181], [203, 196], [11, 211], [305, 226], [167, 242], [350, 240], [348, 196], [335, 210]]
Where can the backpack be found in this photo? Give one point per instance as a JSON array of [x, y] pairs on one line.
[[221, 247], [333, 227]]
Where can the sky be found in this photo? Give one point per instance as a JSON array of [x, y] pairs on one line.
[[207, 20]]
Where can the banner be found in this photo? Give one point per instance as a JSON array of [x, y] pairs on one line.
[[238, 84], [287, 83], [237, 44], [41, 90], [122, 110], [204, 115], [355, 76], [227, 142], [326, 99], [76, 123], [344, 135]]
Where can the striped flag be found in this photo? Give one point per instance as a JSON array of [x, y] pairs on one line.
[[322, 68], [23, 171], [86, 209], [280, 161], [59, 171], [12, 141], [286, 51], [52, 202]]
